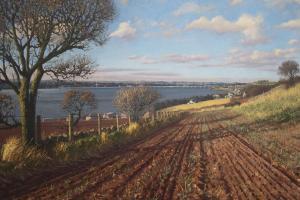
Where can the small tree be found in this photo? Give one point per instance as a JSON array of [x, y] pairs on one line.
[[289, 69], [7, 111], [76, 102], [136, 101]]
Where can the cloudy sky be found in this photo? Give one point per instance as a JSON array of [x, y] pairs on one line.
[[199, 40]]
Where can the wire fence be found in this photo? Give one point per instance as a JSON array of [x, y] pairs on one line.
[[47, 128], [58, 127]]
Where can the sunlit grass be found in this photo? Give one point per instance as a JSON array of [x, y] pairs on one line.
[[132, 128], [279, 104], [22, 155], [198, 106]]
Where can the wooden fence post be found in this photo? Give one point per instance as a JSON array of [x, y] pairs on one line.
[[117, 118], [70, 127], [38, 131], [153, 116], [129, 120], [99, 123]]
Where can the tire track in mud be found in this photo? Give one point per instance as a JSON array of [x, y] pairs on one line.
[[135, 171], [200, 149], [160, 189], [157, 186], [262, 179], [79, 178]]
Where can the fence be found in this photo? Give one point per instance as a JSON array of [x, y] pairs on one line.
[[56, 127]]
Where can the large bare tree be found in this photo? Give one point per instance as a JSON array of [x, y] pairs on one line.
[[289, 69], [40, 37], [135, 101]]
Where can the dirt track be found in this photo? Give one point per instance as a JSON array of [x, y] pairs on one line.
[[198, 158]]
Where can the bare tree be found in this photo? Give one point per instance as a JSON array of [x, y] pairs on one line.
[[289, 69], [35, 37], [76, 101], [136, 101], [7, 111]]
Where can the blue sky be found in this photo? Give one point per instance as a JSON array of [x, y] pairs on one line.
[[199, 40]]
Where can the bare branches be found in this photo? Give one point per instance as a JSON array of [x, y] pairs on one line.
[[40, 31], [135, 101], [80, 66], [75, 102]]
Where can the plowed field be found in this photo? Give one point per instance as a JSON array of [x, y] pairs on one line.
[[197, 158]]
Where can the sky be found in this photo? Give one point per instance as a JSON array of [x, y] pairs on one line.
[[198, 40]]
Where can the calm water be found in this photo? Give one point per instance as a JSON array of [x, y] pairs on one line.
[[49, 100]]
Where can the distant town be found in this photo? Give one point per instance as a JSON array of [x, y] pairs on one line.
[[57, 84]]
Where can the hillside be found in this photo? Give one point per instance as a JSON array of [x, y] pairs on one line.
[[198, 106], [279, 105]]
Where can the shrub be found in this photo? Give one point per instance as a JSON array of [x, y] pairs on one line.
[[22, 155], [132, 129], [254, 90], [104, 137]]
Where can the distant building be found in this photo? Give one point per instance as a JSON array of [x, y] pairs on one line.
[[229, 95], [91, 116], [108, 115], [191, 102], [216, 96]]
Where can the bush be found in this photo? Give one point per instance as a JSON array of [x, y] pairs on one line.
[[104, 137], [254, 90], [132, 129], [76, 149], [22, 155]]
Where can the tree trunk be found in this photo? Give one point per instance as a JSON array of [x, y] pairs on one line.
[[27, 101], [27, 112]]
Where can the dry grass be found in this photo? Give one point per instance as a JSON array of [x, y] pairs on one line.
[[279, 104], [104, 137], [23, 155], [198, 106], [132, 129]]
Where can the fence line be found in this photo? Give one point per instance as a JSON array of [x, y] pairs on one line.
[[59, 127]]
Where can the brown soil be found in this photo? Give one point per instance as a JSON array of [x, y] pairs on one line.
[[198, 158]]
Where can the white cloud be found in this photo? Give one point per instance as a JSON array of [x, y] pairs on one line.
[[170, 58], [143, 59], [235, 2], [291, 24], [124, 31], [161, 28], [191, 7], [293, 42], [176, 58], [260, 59], [249, 26], [281, 3]]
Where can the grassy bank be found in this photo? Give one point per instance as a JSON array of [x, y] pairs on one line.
[[198, 106], [277, 105]]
